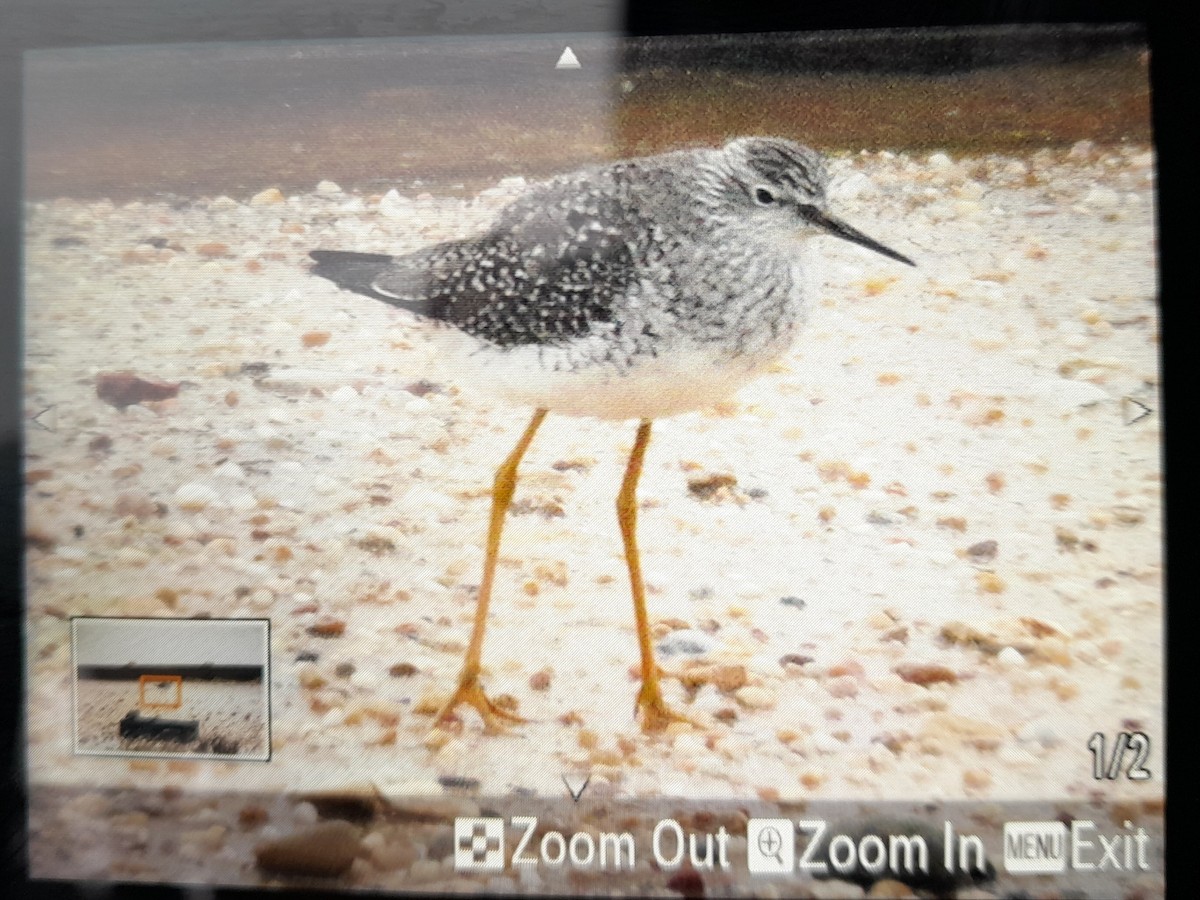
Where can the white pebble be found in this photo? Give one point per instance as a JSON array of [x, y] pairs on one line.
[[393, 206], [324, 485], [825, 743], [328, 187], [229, 469], [940, 161], [194, 495], [267, 197], [1011, 658], [343, 394], [1101, 197]]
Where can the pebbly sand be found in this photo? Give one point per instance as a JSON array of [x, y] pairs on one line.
[[921, 560]]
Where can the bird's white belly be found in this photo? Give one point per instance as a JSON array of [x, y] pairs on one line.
[[678, 382]]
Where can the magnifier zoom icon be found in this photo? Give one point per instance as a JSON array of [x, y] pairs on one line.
[[770, 844]]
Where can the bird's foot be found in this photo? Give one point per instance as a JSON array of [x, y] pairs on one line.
[[656, 715], [496, 718]]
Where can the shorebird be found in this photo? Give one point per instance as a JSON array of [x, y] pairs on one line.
[[635, 290]]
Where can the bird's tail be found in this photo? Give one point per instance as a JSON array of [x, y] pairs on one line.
[[356, 272]]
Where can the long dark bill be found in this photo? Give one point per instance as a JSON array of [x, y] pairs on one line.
[[842, 230]]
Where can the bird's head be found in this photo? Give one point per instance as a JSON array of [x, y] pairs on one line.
[[781, 185]]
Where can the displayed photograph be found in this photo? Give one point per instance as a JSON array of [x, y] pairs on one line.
[[172, 686], [661, 437]]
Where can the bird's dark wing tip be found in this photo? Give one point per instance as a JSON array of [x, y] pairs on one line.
[[335, 257]]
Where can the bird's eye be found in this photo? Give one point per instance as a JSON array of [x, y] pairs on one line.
[[763, 197]]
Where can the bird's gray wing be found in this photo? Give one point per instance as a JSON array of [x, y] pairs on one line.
[[552, 268]]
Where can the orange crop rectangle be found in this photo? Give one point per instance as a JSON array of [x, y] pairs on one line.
[[161, 680]]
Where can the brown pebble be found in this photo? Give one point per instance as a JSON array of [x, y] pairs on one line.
[[540, 681], [101, 443], [891, 889], [39, 540], [324, 850], [139, 256], [726, 678], [312, 339], [168, 597], [231, 398], [846, 667], [122, 389], [33, 476], [344, 669], [925, 673], [990, 583], [687, 883], [709, 487], [402, 670], [327, 628], [376, 545], [252, 815], [956, 523], [358, 804], [213, 250]]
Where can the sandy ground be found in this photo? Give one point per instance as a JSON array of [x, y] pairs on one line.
[[934, 573], [232, 712]]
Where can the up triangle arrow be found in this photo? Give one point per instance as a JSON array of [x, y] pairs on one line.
[[568, 60]]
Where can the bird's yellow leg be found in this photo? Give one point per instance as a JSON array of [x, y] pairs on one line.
[[469, 689], [656, 715]]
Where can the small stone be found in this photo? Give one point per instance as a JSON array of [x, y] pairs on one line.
[[195, 496], [794, 659], [268, 197], [825, 743], [976, 779], [891, 889], [689, 643], [984, 551], [1081, 150], [311, 339], [842, 687], [122, 389], [754, 697], [213, 250], [925, 673], [1011, 658], [1101, 197], [327, 187], [327, 849], [394, 206], [327, 628]]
